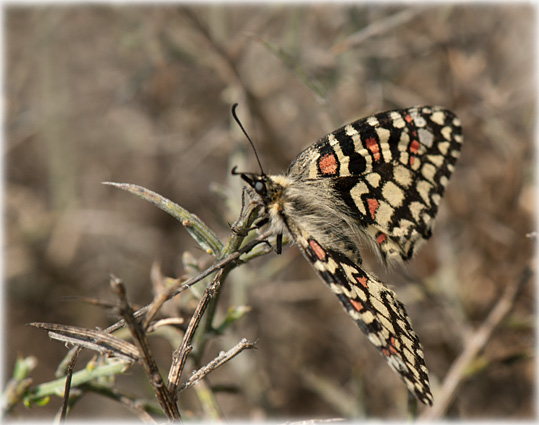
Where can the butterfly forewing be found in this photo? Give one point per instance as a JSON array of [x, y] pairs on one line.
[[390, 170]]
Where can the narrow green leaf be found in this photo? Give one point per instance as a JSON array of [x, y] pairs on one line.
[[201, 233], [57, 386]]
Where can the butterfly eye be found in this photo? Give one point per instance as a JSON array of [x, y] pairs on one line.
[[260, 188]]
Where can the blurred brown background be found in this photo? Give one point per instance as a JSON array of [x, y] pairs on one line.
[[142, 95]]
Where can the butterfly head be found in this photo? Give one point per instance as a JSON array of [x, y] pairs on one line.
[[259, 182]]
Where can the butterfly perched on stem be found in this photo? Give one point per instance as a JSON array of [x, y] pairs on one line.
[[376, 181]]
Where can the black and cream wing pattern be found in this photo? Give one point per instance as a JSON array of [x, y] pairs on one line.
[[377, 181]]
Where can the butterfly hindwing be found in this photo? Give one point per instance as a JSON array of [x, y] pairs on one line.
[[376, 310]]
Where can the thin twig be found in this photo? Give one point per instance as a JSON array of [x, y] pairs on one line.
[[158, 301], [102, 341], [179, 356], [150, 366], [169, 321], [378, 27], [92, 339], [477, 342], [172, 292], [67, 388], [222, 358], [207, 304]]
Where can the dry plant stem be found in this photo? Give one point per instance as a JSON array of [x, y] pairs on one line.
[[215, 363], [96, 340], [179, 356], [477, 342], [150, 366], [157, 303], [209, 298], [375, 29], [61, 369], [171, 321], [241, 227], [65, 401], [173, 291]]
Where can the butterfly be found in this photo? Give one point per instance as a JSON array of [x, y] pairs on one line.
[[377, 181]]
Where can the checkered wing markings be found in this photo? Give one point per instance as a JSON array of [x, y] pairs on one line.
[[380, 178], [390, 170], [378, 313]]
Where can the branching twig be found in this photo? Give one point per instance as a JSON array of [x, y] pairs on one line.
[[173, 291], [222, 358], [150, 366], [158, 301], [102, 341], [92, 339], [478, 340], [179, 356]]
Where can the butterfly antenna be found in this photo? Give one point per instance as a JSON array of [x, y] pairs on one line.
[[246, 135]]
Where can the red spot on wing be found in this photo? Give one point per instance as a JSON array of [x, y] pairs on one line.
[[385, 352], [380, 238], [362, 280], [328, 164], [373, 206], [392, 346], [357, 305], [408, 118], [374, 147], [414, 148], [317, 249]]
